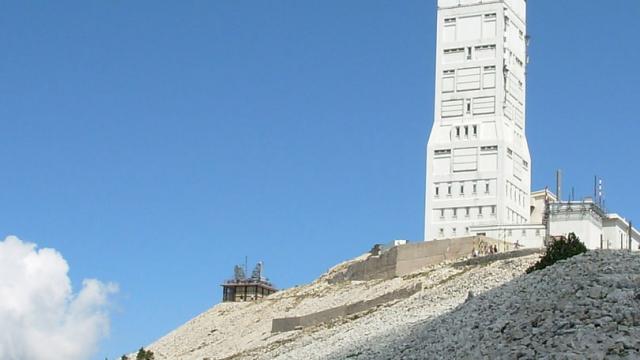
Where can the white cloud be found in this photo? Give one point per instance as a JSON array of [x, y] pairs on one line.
[[40, 317]]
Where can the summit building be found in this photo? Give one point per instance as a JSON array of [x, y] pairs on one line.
[[478, 162]]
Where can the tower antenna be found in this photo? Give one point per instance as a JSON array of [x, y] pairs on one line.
[[559, 184]]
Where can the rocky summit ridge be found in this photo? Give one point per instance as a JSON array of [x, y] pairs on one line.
[[585, 307]]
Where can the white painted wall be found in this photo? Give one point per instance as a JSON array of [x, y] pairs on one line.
[[616, 233], [595, 229], [478, 162], [538, 204], [527, 235], [586, 228]]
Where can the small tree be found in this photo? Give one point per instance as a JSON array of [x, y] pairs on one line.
[[145, 354], [124, 357], [559, 250]]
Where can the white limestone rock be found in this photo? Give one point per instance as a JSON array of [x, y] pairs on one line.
[[587, 307]]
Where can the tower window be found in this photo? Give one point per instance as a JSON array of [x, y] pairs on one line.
[[469, 56], [486, 188], [466, 212], [466, 131], [453, 230], [455, 212], [493, 209], [451, 51], [461, 189], [479, 210], [518, 61], [475, 188], [437, 191], [449, 190], [486, 47], [441, 231], [442, 213], [475, 129], [458, 131]]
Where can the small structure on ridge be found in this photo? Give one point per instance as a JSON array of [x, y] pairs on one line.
[[241, 288]]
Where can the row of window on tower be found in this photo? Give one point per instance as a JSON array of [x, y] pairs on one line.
[[482, 105], [469, 53], [514, 218], [468, 188], [458, 55], [466, 212], [465, 132], [470, 28], [454, 231], [523, 232], [512, 58], [468, 79], [510, 26], [515, 194]]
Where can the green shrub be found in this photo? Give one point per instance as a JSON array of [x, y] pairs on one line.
[[145, 354], [559, 250]]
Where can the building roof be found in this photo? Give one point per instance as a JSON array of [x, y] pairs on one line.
[[613, 217], [549, 193]]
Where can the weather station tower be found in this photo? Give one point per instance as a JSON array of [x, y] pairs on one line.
[[478, 162]]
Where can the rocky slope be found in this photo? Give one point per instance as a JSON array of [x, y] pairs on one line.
[[242, 330], [585, 307]]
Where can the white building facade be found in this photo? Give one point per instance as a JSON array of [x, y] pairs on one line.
[[478, 162], [618, 233], [595, 228]]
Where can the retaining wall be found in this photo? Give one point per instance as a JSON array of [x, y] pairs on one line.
[[291, 323], [404, 259]]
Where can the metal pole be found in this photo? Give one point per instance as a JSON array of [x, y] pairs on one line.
[[546, 216], [630, 234], [573, 194], [559, 184]]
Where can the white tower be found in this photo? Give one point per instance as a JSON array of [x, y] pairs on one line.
[[478, 162]]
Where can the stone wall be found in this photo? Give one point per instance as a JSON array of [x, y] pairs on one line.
[[404, 259], [297, 322]]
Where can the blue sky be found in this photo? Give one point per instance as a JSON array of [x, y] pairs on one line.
[[156, 144]]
